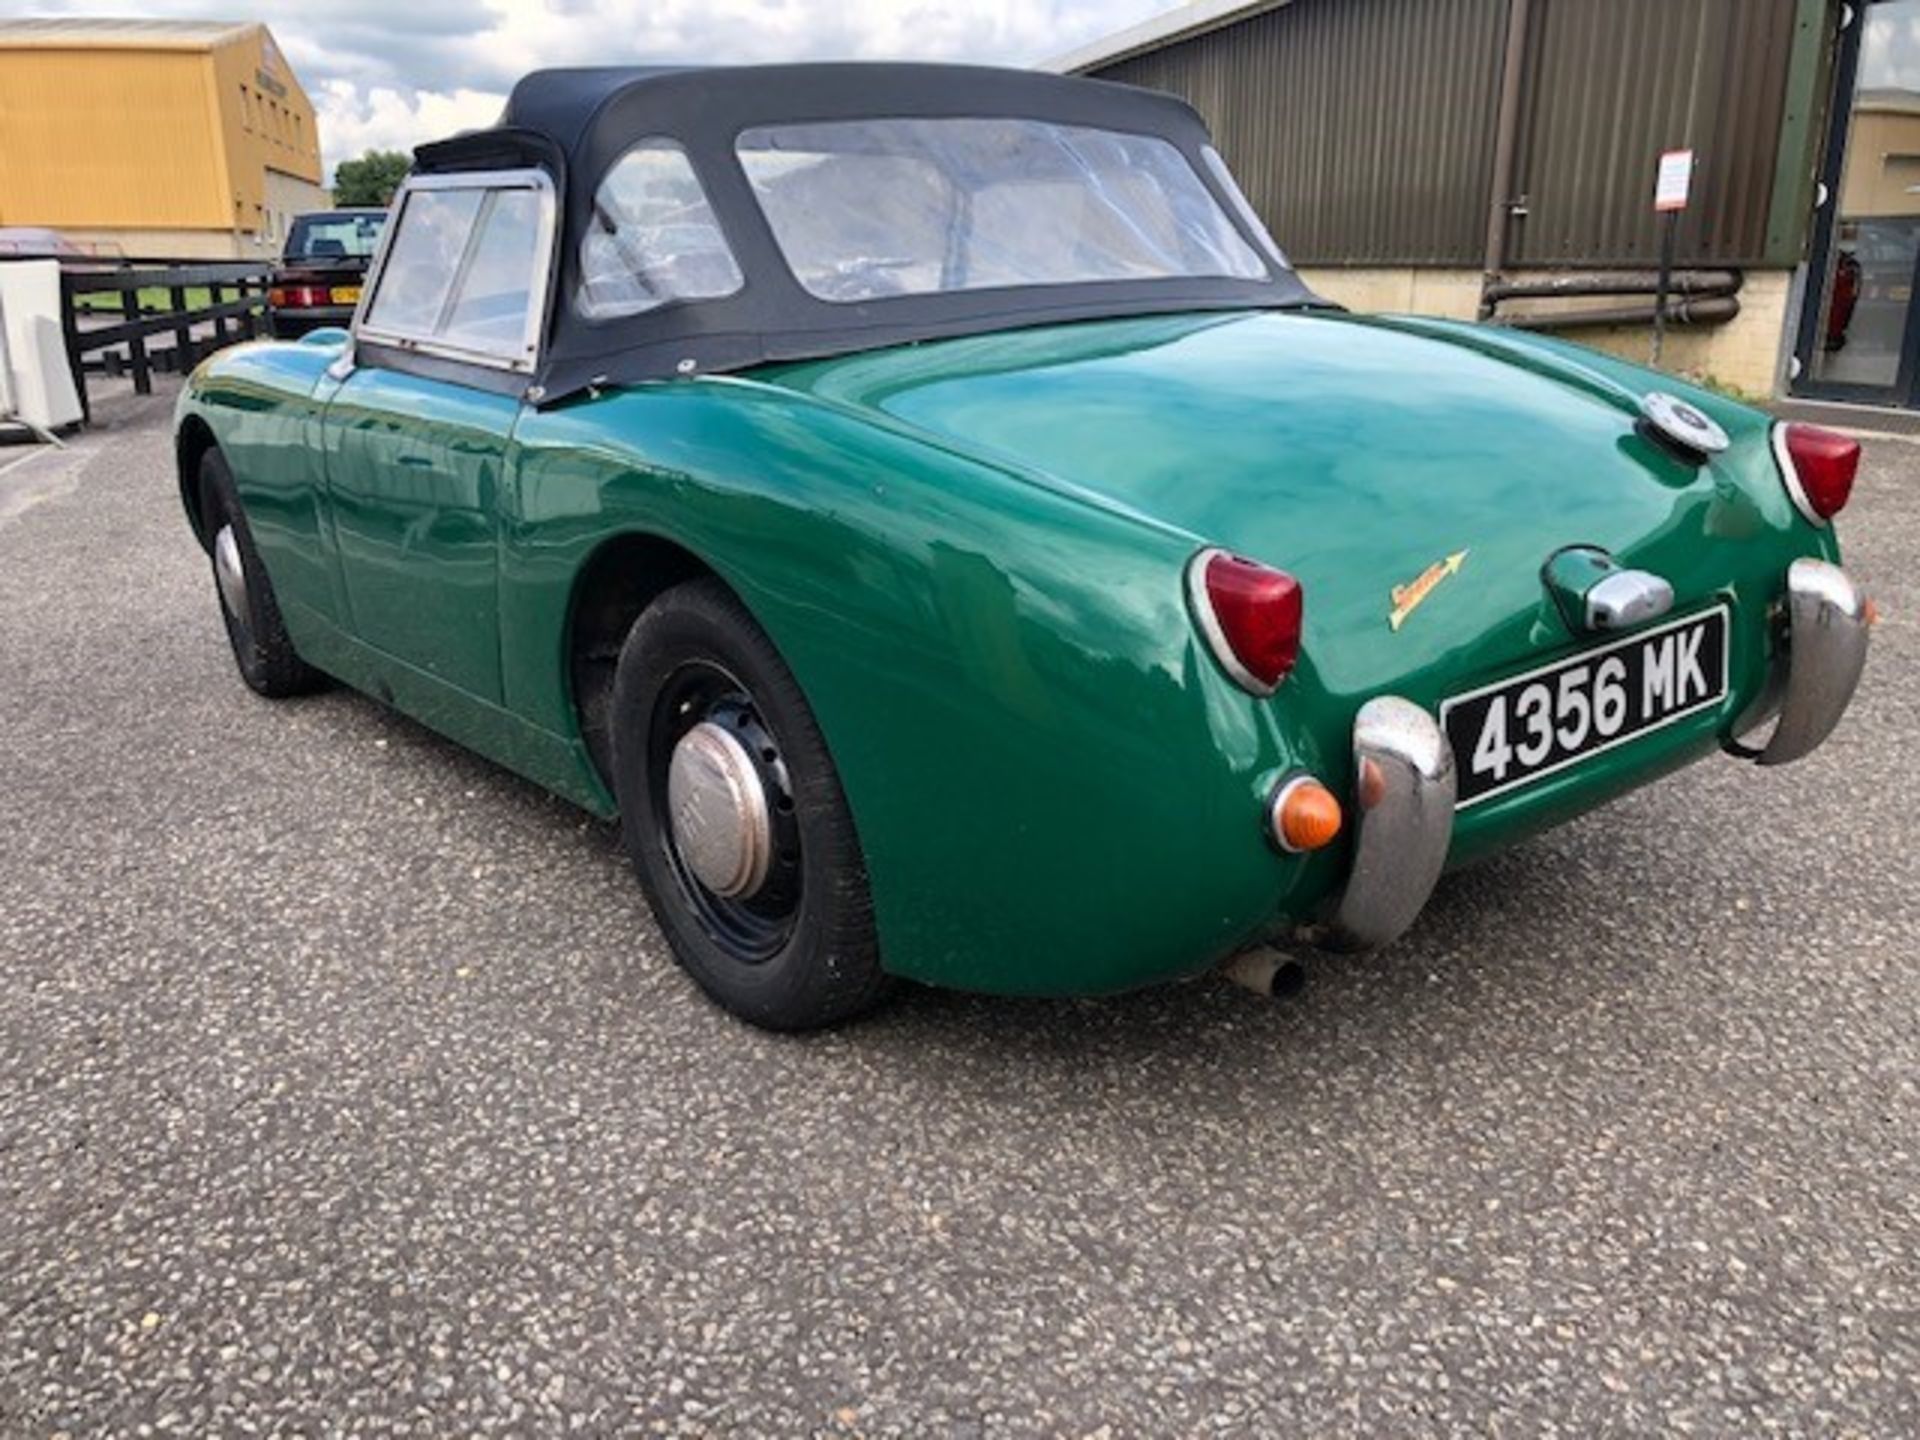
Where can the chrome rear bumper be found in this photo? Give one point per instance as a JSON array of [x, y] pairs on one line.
[[1404, 792], [1826, 646], [1404, 768]]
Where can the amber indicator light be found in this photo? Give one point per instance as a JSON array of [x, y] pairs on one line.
[[1306, 815]]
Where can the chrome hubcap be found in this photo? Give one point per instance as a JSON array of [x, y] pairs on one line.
[[230, 573], [718, 809]]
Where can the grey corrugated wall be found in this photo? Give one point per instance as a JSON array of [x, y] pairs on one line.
[[1612, 83], [1363, 129]]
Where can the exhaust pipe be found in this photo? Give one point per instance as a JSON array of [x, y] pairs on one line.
[[1270, 974]]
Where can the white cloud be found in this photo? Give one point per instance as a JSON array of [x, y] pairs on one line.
[[355, 120], [1890, 53], [390, 74]]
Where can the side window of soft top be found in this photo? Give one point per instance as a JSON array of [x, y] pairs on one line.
[[465, 271], [652, 237]]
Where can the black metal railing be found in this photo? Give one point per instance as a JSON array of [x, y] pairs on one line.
[[134, 333]]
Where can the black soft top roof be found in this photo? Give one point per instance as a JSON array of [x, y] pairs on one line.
[[576, 123]]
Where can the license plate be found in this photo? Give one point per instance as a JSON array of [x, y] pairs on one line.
[[1518, 730], [346, 294]]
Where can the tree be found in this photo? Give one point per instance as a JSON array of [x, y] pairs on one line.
[[370, 180]]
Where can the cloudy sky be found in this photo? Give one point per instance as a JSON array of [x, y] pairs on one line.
[[1890, 53], [390, 73]]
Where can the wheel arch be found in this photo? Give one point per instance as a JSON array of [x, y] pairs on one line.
[[623, 575], [191, 442]]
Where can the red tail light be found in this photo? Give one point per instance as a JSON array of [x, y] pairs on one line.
[[1250, 614], [1818, 467], [297, 297]]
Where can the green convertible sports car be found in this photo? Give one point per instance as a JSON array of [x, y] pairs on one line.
[[925, 506]]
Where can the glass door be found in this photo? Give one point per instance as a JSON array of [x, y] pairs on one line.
[[1862, 340]]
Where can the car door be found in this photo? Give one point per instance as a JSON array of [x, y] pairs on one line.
[[417, 435]]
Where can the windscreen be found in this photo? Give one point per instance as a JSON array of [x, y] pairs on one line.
[[334, 237], [866, 209]]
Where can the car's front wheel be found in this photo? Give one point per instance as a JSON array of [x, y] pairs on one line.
[[261, 647], [734, 817]]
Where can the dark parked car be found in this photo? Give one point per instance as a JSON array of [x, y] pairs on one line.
[[318, 281]]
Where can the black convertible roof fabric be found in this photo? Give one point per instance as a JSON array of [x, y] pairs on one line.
[[577, 123]]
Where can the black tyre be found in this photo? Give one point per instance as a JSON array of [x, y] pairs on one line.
[[734, 818], [261, 649]]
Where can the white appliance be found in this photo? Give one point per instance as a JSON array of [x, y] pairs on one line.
[[36, 387]]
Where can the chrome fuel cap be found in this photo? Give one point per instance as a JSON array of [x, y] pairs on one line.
[[1683, 423], [718, 808]]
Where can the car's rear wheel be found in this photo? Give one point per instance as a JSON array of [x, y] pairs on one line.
[[261, 648], [734, 817]]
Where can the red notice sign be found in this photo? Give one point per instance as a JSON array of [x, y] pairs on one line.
[[1675, 180]]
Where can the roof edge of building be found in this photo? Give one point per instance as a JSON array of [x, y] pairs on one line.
[[1183, 22], [105, 33]]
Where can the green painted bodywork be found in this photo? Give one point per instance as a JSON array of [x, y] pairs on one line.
[[971, 553]]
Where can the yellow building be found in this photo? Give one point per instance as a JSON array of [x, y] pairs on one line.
[[1883, 159], [160, 138]]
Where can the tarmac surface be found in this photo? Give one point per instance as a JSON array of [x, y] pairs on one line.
[[346, 1088]]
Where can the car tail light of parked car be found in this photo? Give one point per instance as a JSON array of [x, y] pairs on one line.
[[1818, 467], [300, 296], [1250, 615]]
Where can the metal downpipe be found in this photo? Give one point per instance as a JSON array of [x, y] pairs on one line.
[[1506, 140]]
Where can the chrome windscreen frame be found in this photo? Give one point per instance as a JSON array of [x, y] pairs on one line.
[[519, 359]]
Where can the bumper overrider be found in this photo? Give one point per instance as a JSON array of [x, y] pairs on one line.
[[1404, 768], [1827, 620]]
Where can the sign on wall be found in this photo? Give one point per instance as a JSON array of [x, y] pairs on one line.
[[1674, 181]]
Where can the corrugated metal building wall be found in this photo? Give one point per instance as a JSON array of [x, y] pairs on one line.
[[1364, 129], [90, 137], [1612, 83], [156, 128]]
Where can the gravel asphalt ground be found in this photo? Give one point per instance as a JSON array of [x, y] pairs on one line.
[[346, 1088]]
